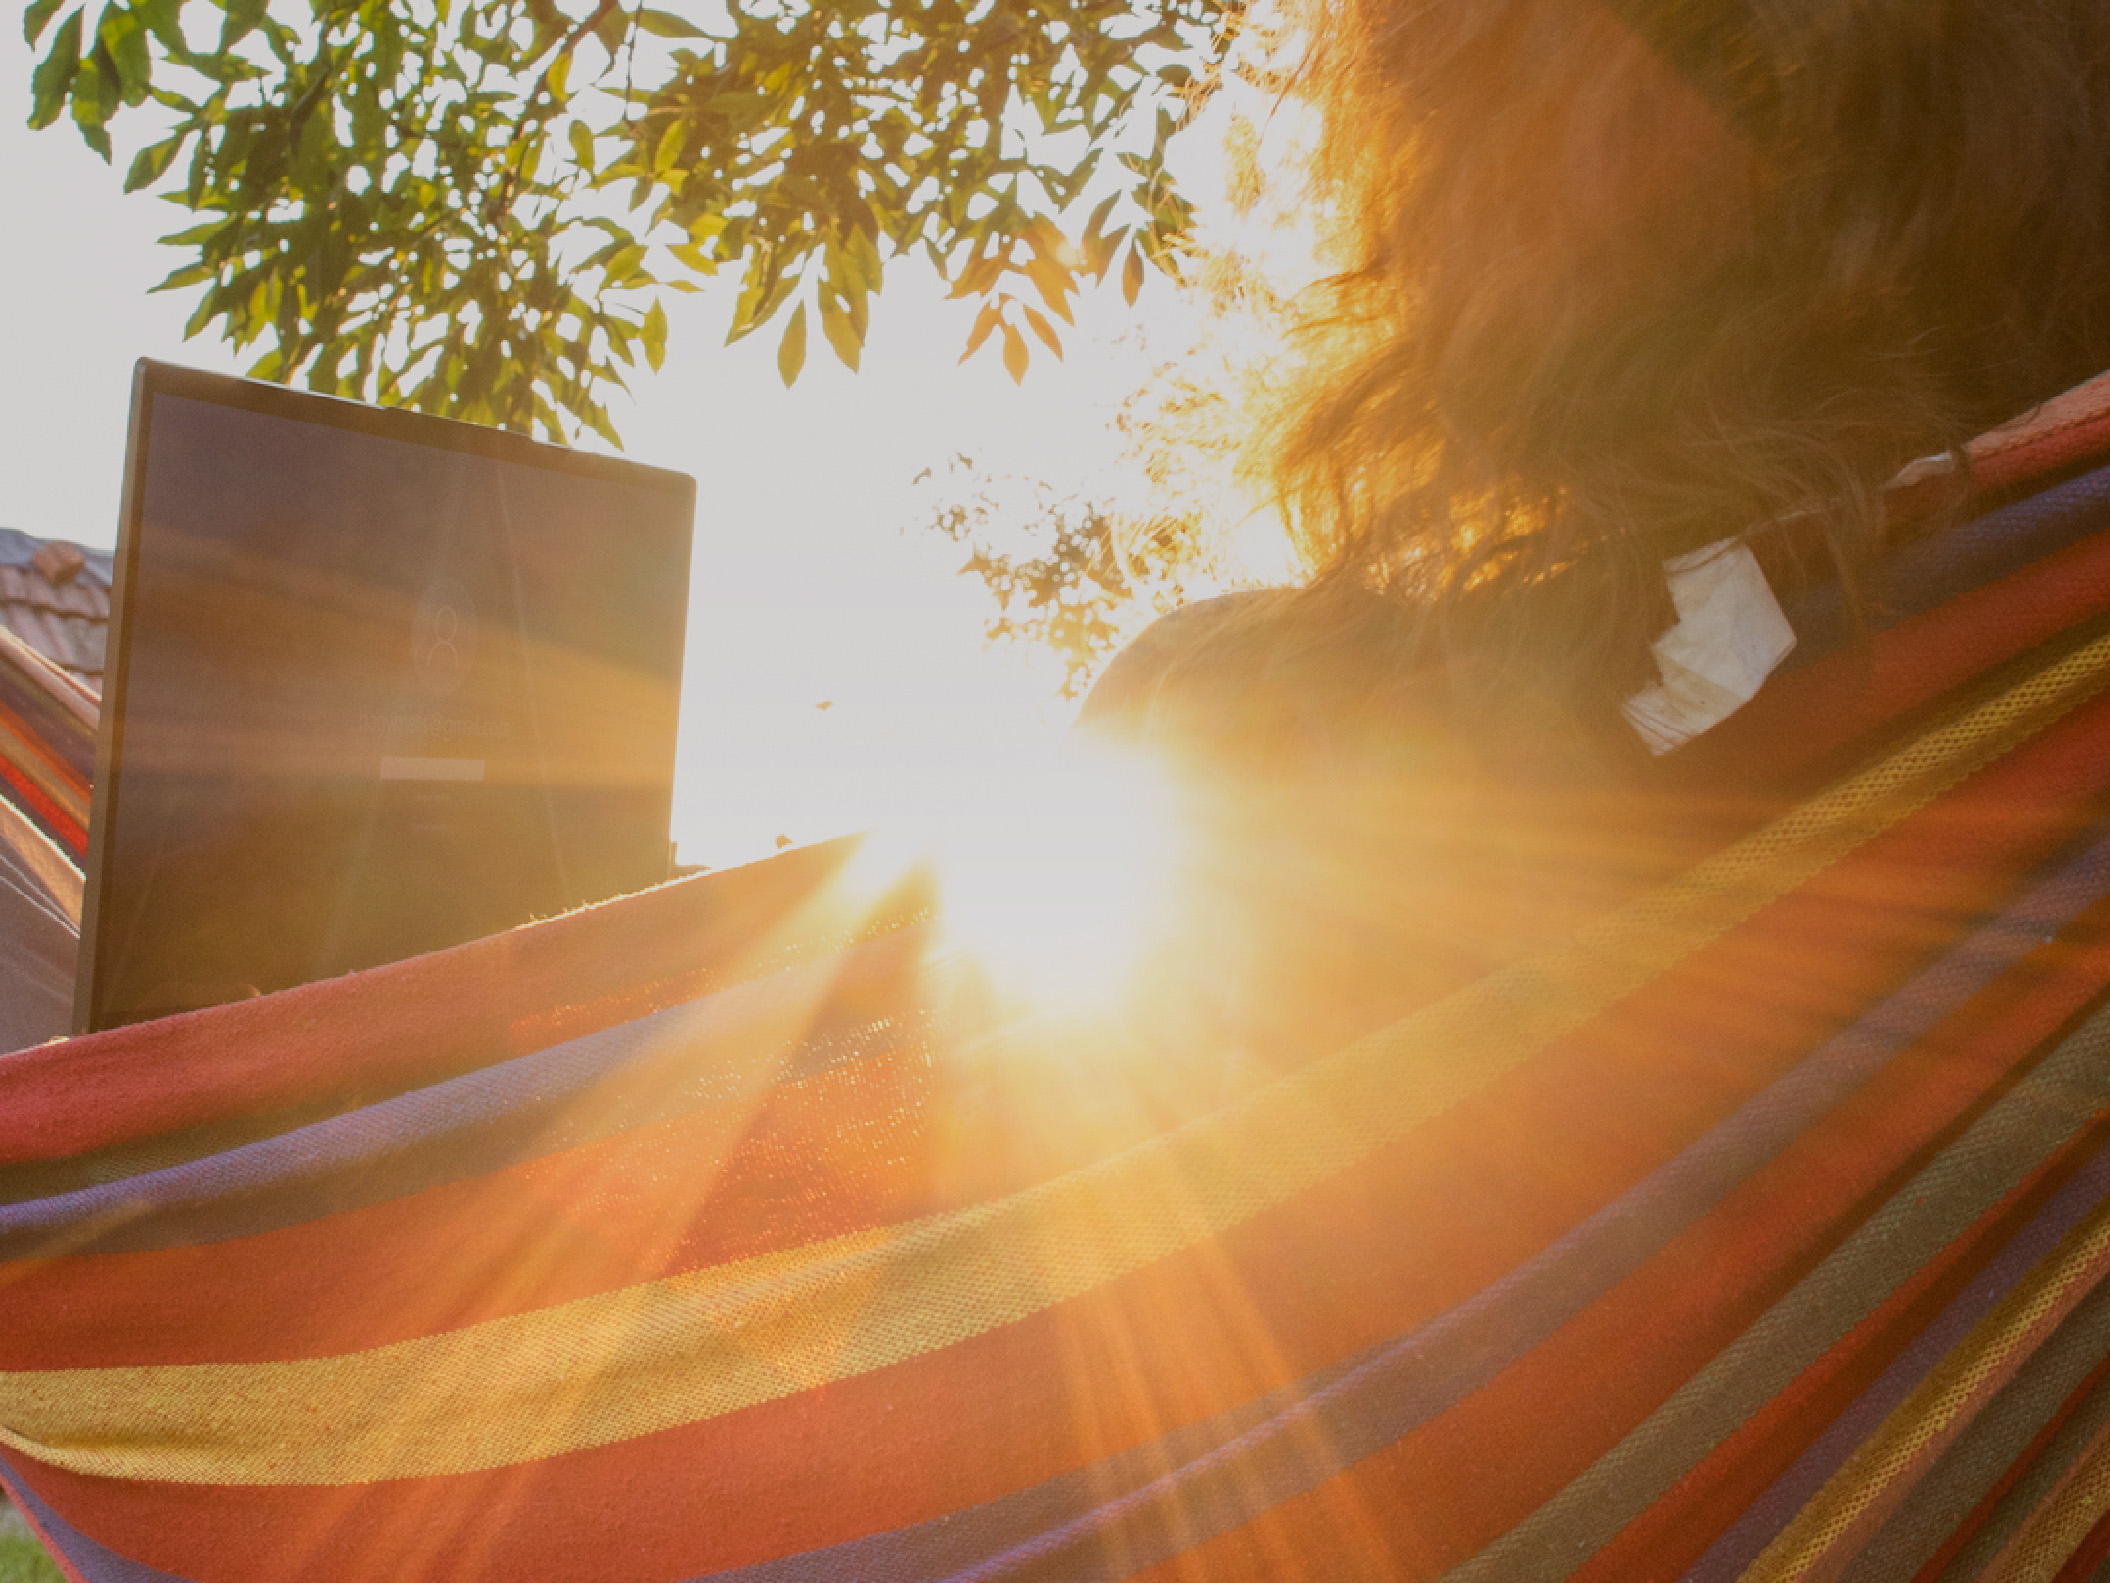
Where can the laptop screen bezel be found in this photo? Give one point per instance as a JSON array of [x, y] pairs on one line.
[[151, 379]]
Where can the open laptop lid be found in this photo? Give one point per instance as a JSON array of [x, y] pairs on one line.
[[378, 683]]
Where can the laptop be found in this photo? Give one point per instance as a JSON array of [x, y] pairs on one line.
[[378, 683]]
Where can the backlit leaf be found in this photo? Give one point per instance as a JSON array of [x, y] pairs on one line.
[[664, 24], [842, 334], [149, 163], [654, 334], [1044, 330], [53, 78], [382, 210], [987, 320], [37, 18], [791, 351], [1053, 282], [1098, 247]]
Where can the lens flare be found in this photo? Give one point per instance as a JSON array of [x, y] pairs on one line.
[[1054, 867]]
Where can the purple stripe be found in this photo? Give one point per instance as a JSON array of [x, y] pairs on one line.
[[1945, 565], [94, 1562], [1740, 1545], [467, 1126]]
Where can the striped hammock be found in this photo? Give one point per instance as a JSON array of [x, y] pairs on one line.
[[1757, 1231]]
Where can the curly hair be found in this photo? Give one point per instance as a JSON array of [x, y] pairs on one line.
[[1622, 277]]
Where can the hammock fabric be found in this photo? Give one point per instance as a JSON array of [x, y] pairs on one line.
[[47, 744], [1757, 1231], [47, 754]]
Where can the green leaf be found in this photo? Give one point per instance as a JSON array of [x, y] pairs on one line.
[[50, 83], [814, 140], [624, 265], [841, 332], [664, 24], [164, 18], [124, 35], [148, 165], [695, 257], [654, 333], [37, 18], [759, 300], [670, 146], [241, 19], [791, 351]]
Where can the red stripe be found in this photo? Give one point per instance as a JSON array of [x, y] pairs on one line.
[[2037, 454], [1297, 1288], [61, 824], [1836, 944], [60, 775], [1481, 1468], [1193, 1336], [1801, 719], [355, 1038], [1664, 1541], [727, 1182], [2067, 431], [10, 1488], [973, 1423]]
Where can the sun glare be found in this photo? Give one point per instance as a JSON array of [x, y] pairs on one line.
[[1055, 868]]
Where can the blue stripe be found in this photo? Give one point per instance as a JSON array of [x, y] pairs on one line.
[[1131, 1511], [94, 1562], [657, 1066], [1931, 572]]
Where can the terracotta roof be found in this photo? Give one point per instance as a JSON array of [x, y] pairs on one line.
[[55, 596]]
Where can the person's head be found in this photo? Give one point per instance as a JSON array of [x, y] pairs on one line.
[[1622, 277]]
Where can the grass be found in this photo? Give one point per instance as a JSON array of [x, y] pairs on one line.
[[22, 1559]]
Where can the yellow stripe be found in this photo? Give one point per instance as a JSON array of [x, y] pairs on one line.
[[2055, 1532], [1841, 1516], [677, 1351]]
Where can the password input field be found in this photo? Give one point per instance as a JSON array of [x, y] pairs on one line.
[[416, 769]]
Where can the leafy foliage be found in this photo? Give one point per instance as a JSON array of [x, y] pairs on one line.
[[1187, 512], [475, 206], [1063, 573]]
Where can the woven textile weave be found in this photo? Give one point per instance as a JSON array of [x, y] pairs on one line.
[[1756, 1231]]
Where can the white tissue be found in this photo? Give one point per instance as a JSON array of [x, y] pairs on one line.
[[1729, 637]]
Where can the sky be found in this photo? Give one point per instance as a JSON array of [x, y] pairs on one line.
[[812, 583]]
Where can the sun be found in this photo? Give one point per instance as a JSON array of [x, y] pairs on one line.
[[1055, 866]]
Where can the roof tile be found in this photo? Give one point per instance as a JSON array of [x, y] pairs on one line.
[[55, 596]]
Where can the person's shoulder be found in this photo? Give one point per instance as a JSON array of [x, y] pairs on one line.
[[1265, 670]]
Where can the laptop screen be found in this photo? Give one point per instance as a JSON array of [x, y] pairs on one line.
[[380, 684]]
